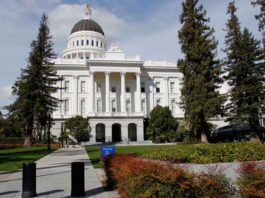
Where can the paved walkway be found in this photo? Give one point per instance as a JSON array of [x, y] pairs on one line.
[[54, 177]]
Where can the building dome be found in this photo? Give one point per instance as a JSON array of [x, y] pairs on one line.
[[87, 25]]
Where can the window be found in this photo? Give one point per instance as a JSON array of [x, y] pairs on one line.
[[128, 106], [73, 43], [100, 44], [83, 86], [113, 106], [97, 43], [157, 87], [127, 89], [83, 111], [158, 102], [66, 86], [87, 42], [172, 87], [99, 106], [66, 106], [173, 106], [113, 89], [143, 106], [98, 88], [82, 42], [142, 87], [77, 43], [92, 42]]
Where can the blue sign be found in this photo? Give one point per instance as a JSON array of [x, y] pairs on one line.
[[107, 150]]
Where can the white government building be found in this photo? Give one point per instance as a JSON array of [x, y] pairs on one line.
[[116, 92]]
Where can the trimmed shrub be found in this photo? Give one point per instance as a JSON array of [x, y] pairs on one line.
[[251, 182], [136, 177]]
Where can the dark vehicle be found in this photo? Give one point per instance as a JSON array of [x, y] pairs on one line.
[[234, 133]]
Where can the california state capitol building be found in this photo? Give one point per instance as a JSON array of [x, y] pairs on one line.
[[115, 91]]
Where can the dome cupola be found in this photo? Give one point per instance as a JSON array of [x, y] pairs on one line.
[[86, 39]]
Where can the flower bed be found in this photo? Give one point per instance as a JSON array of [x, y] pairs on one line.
[[136, 177]]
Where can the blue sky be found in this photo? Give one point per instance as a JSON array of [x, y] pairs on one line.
[[141, 27]]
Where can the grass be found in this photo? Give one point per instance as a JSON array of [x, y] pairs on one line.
[[94, 151], [13, 159], [189, 153]]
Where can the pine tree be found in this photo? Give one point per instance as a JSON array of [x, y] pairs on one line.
[[201, 70], [34, 87], [261, 16], [245, 74]]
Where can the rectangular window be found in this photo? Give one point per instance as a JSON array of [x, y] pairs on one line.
[[83, 86], [127, 89], [92, 42], [77, 43], [97, 43], [83, 107], [100, 44], [172, 87], [113, 106], [157, 87], [113, 89], [99, 106], [173, 106], [87, 42], [66, 106], [128, 106], [98, 88], [143, 106], [142, 87], [66, 86], [82, 42], [158, 102]]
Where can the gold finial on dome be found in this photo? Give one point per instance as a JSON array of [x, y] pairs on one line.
[[88, 12]]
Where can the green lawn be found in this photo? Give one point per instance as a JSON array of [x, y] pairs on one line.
[[13, 159], [94, 151], [189, 153]]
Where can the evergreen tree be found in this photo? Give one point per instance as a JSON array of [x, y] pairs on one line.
[[200, 68], [34, 87], [245, 74], [162, 125], [261, 17]]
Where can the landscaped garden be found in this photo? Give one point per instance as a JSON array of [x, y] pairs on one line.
[[13, 159], [189, 153]]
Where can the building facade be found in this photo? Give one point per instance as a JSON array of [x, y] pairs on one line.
[[115, 91]]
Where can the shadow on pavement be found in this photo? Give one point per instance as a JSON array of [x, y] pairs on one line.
[[49, 192], [9, 192]]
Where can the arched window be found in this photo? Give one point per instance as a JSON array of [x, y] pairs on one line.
[[97, 43], [99, 106], [101, 44], [92, 42], [73, 43], [83, 111], [82, 42], [87, 42], [128, 106], [77, 43]]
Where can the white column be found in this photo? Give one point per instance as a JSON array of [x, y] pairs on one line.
[[75, 99], [151, 91], [108, 133], [61, 97], [93, 134], [166, 91], [91, 93], [124, 133], [140, 133], [138, 93], [123, 108], [107, 95]]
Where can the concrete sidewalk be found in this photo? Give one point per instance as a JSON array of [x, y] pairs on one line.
[[54, 177]]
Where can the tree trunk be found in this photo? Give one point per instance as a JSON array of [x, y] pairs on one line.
[[27, 142], [204, 138], [254, 137]]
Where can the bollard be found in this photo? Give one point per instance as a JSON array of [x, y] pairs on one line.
[[78, 179], [29, 180]]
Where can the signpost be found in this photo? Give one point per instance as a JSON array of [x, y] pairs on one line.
[[107, 150]]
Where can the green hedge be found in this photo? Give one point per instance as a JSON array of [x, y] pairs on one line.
[[209, 153]]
